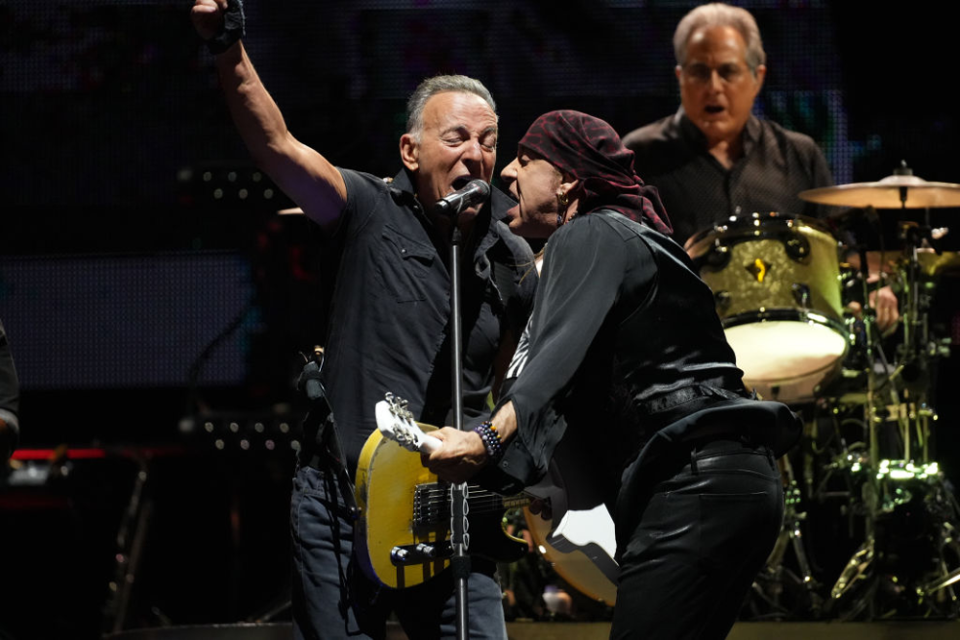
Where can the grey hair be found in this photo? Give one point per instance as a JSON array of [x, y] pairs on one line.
[[718, 14], [440, 84]]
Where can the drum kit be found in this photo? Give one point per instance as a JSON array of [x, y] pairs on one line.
[[870, 524]]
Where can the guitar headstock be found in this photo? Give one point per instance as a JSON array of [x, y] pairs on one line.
[[395, 422]]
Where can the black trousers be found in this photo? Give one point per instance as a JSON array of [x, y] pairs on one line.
[[706, 522]]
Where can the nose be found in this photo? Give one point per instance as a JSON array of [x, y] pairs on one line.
[[716, 82], [473, 151], [509, 172]]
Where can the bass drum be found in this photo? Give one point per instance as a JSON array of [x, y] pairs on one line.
[[776, 282]]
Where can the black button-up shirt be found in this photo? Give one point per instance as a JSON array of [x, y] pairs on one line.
[[389, 324], [699, 192], [621, 318]]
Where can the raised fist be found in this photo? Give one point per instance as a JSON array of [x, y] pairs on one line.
[[207, 17]]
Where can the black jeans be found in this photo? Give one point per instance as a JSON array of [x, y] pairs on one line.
[[706, 526]]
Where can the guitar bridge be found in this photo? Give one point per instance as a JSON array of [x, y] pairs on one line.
[[420, 553]]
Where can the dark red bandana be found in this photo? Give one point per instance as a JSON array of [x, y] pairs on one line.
[[590, 150]]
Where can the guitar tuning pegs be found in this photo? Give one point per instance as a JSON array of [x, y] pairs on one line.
[[395, 403]]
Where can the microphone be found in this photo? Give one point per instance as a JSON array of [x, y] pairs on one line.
[[475, 192]]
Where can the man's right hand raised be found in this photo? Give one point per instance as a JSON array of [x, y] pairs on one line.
[[207, 17], [301, 172]]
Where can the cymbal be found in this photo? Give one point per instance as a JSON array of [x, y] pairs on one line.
[[292, 211], [888, 193], [930, 262]]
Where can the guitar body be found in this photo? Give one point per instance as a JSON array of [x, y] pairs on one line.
[[578, 549], [391, 488], [580, 542], [402, 535]]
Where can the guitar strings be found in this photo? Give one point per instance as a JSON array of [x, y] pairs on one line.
[[434, 502]]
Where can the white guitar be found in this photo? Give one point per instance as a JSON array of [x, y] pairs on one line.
[[580, 544]]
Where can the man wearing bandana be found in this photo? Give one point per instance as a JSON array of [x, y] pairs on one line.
[[627, 375]]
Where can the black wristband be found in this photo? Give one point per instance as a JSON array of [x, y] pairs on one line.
[[233, 28]]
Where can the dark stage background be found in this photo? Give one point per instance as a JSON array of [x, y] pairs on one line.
[[156, 303]]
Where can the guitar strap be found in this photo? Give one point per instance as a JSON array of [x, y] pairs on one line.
[[322, 448]]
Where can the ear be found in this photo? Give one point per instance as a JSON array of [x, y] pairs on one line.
[[569, 185], [677, 70], [409, 152], [761, 74]]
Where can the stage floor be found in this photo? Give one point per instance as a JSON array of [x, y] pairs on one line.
[[594, 631], [755, 631]]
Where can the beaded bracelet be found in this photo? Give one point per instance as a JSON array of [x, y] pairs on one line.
[[491, 439]]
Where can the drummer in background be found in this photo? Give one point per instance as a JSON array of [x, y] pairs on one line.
[[714, 159]]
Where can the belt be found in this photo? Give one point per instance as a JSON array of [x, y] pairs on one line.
[[670, 407]]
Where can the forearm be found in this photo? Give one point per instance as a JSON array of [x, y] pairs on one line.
[[304, 174], [505, 422], [255, 114]]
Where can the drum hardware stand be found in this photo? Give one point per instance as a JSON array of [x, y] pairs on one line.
[[791, 535], [882, 491], [949, 578], [917, 351], [906, 506], [859, 569], [130, 540]]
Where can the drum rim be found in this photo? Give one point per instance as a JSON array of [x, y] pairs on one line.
[[790, 315], [820, 375], [735, 224]]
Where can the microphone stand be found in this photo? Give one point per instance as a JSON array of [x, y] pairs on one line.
[[459, 538]]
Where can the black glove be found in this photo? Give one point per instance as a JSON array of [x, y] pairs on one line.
[[233, 28]]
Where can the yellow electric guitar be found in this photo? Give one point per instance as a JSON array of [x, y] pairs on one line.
[[402, 537], [404, 528]]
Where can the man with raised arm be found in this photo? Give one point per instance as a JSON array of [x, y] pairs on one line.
[[389, 325]]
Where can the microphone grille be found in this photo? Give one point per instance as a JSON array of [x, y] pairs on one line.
[[481, 186]]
